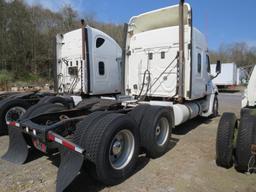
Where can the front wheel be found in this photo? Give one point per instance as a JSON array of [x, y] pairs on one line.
[[244, 141], [215, 107], [225, 140]]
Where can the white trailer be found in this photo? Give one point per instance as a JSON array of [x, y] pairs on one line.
[[165, 77], [228, 77]]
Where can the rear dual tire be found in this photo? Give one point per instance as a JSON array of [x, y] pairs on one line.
[[225, 140], [56, 100], [244, 141], [111, 142], [155, 131], [155, 125], [47, 105], [229, 150]]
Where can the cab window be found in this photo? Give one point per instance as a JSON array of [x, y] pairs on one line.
[[101, 68], [99, 42], [199, 63], [208, 63]]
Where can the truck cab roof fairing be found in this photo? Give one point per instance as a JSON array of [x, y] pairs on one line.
[[169, 16]]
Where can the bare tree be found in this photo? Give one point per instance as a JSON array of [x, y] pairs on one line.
[[240, 53]]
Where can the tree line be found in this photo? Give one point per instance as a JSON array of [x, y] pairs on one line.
[[240, 53], [27, 35]]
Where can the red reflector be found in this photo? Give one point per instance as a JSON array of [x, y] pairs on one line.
[[40, 146], [58, 139], [50, 137], [12, 124], [43, 147], [68, 145]]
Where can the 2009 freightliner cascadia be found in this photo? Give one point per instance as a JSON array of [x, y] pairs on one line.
[[130, 100]]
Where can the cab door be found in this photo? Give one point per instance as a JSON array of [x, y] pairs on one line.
[[105, 66], [198, 78]]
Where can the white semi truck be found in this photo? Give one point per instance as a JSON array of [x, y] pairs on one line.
[[236, 138], [129, 100]]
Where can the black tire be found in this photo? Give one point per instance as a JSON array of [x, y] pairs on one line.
[[148, 130], [7, 94], [244, 141], [98, 146], [87, 103], [248, 111], [56, 99], [32, 109], [215, 107], [224, 141], [5, 108], [138, 113], [81, 132], [49, 108], [44, 99], [41, 108]]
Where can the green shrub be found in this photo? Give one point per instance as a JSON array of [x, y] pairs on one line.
[[5, 78]]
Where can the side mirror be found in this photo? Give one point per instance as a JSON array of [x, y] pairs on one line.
[[218, 67]]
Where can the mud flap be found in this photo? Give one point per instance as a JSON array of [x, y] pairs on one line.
[[70, 166], [18, 149]]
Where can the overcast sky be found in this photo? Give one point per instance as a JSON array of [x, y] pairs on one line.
[[223, 21]]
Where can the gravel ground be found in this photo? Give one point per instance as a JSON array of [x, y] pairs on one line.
[[189, 166]]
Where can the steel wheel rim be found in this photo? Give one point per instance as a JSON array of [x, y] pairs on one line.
[[162, 131], [14, 113], [121, 149]]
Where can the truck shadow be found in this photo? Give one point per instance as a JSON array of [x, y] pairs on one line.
[[34, 155], [188, 126], [3, 134], [85, 183]]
